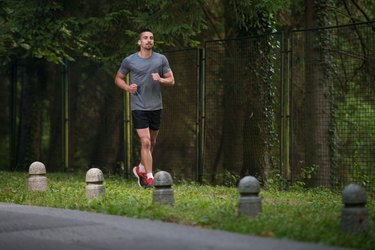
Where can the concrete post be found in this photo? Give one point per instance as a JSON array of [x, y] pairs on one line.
[[37, 178], [249, 203], [94, 183], [354, 215], [163, 193]]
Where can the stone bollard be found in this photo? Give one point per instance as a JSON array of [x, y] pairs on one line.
[[354, 215], [163, 193], [249, 203], [37, 179], [94, 183]]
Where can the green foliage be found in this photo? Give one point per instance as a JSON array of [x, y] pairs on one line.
[[284, 215], [356, 135], [278, 183], [174, 22], [37, 29], [101, 29], [54, 30], [257, 16]]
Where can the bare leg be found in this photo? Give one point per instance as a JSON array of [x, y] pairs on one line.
[[153, 136], [148, 139]]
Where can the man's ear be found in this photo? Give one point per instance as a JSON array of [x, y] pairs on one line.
[[139, 42]]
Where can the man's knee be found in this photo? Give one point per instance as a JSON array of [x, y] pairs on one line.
[[146, 142]]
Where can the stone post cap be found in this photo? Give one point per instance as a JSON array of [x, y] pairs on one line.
[[163, 179], [37, 168], [94, 175], [249, 185], [354, 194]]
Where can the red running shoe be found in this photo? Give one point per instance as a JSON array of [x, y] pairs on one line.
[[150, 182], [141, 177]]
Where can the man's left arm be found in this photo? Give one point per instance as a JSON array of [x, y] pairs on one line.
[[167, 79]]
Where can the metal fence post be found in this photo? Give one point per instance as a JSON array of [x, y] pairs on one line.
[[201, 114], [285, 106], [13, 117], [65, 115], [127, 132]]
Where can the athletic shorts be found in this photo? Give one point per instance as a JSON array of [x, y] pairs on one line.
[[146, 119]]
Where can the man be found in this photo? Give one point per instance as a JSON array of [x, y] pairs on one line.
[[148, 71]]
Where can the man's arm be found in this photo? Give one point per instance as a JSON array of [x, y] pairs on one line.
[[167, 79], [120, 82]]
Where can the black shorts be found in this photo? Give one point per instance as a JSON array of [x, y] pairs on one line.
[[146, 119]]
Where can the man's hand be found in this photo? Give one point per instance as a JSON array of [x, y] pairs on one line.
[[156, 77], [132, 88], [167, 80]]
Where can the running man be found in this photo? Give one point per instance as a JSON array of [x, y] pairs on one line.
[[148, 71]]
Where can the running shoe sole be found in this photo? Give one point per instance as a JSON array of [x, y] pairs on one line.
[[138, 177]]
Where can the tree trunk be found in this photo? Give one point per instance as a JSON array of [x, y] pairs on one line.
[[247, 123], [54, 150], [29, 147], [297, 106], [5, 117], [258, 129], [233, 102], [317, 96], [233, 120]]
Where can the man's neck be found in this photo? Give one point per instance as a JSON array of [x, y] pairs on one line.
[[145, 53]]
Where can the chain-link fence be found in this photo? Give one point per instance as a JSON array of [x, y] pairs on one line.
[[333, 105], [298, 105], [242, 108], [175, 150], [29, 108], [95, 117]]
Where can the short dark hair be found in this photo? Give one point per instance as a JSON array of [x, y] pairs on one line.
[[143, 30]]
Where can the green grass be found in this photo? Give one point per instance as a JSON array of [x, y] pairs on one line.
[[303, 215]]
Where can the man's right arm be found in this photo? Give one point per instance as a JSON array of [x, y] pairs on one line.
[[120, 82]]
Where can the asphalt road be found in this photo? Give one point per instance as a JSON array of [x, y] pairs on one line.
[[29, 227]]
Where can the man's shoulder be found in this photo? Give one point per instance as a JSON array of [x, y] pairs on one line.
[[131, 56], [158, 55]]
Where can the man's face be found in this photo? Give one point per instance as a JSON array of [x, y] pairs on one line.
[[146, 40]]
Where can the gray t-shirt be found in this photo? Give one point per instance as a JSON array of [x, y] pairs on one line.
[[148, 95]]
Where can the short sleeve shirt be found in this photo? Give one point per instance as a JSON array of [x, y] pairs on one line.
[[148, 96]]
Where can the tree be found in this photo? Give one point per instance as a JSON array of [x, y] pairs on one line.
[[120, 22], [33, 88], [54, 30], [317, 92], [318, 54], [95, 35], [34, 32], [245, 77]]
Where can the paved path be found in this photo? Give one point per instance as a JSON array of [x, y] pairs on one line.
[[28, 227]]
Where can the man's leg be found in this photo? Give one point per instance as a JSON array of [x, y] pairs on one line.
[[153, 136], [147, 138], [146, 153]]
